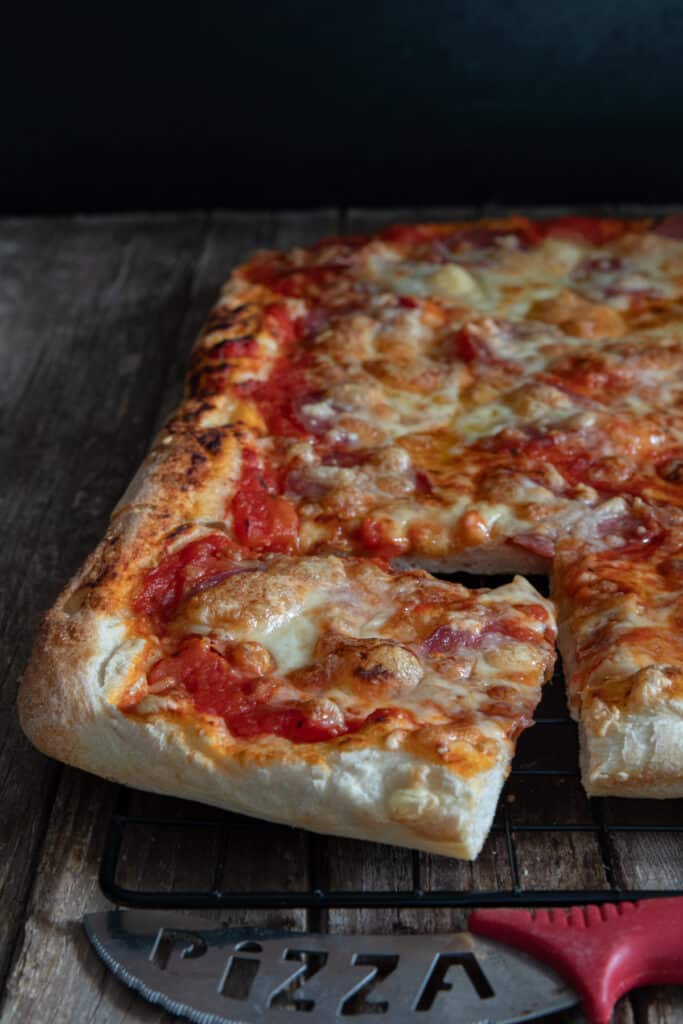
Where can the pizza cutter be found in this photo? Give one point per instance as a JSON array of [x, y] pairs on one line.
[[213, 974]]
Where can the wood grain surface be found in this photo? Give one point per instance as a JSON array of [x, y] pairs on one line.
[[97, 316]]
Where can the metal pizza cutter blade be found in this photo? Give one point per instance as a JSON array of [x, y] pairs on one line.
[[212, 974]]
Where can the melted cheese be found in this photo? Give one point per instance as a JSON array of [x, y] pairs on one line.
[[358, 639], [455, 396]]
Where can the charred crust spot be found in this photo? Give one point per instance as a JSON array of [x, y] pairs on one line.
[[201, 386], [211, 440], [217, 367], [193, 382], [221, 341], [222, 319], [239, 431], [192, 412], [104, 564], [179, 531], [243, 320], [75, 601]]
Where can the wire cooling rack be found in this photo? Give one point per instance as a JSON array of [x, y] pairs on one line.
[[540, 797]]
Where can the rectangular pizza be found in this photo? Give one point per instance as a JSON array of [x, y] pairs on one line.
[[261, 627]]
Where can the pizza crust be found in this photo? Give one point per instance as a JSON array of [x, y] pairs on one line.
[[372, 793], [634, 749], [635, 756]]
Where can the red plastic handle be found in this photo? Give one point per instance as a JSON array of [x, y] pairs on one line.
[[602, 951]]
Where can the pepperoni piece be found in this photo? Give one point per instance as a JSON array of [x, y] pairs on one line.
[[411, 234], [291, 723], [456, 235], [198, 669], [445, 639], [635, 534]]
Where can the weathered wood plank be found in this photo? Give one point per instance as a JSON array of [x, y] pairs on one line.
[[56, 975], [92, 316], [78, 306]]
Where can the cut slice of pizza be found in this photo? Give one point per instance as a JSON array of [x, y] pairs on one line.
[[618, 583], [327, 692]]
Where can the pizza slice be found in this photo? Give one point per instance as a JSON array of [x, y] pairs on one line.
[[618, 584], [328, 692]]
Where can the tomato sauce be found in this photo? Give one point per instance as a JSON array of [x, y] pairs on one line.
[[279, 396], [588, 376], [216, 687], [194, 566], [296, 282], [594, 230], [262, 519]]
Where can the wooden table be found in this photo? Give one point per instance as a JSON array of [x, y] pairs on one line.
[[97, 316]]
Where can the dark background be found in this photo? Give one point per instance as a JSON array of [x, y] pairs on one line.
[[172, 105]]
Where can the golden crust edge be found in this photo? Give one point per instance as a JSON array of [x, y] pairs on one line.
[[414, 803], [607, 748]]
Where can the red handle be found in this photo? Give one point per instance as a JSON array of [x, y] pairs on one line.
[[602, 951]]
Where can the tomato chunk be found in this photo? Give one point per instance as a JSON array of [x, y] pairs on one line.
[[216, 687], [262, 519], [291, 723], [195, 565], [595, 230], [280, 396]]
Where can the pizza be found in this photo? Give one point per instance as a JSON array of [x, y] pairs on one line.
[[261, 627]]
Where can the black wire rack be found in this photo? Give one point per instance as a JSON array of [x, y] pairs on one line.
[[547, 756]]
